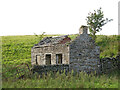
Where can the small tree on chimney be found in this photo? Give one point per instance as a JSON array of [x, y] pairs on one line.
[[95, 21]]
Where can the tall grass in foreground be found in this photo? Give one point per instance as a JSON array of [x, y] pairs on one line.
[[57, 80]]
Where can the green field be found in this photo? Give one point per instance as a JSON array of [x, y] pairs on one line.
[[17, 50]]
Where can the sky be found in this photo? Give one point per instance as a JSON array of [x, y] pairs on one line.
[[26, 17]]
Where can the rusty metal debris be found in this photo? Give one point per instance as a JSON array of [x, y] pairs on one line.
[[17, 72]]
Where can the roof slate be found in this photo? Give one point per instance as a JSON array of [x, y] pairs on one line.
[[51, 40]]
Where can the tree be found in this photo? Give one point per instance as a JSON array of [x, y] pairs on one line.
[[95, 21]]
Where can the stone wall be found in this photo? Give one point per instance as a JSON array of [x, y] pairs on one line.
[[106, 66], [84, 54], [109, 64], [50, 49], [47, 68]]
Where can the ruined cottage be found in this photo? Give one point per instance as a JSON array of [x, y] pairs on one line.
[[80, 54]]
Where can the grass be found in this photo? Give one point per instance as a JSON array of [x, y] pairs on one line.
[[57, 80], [17, 50], [108, 45]]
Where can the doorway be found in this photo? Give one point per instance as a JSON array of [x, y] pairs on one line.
[[48, 59]]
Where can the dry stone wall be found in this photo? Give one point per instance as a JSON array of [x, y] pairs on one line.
[[106, 66], [47, 68], [109, 64]]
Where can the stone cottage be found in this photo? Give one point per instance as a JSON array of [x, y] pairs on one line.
[[81, 54]]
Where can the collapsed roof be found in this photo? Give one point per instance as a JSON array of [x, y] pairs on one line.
[[54, 40]]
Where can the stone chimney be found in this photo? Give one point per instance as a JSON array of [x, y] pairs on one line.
[[83, 30]]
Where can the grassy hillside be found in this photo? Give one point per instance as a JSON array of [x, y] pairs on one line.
[[17, 50], [108, 45]]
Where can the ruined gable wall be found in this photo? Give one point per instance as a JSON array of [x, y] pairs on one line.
[[53, 50], [84, 55]]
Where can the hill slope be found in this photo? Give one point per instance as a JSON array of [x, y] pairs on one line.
[[18, 48]]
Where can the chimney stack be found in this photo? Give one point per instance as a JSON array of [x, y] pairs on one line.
[[83, 30]]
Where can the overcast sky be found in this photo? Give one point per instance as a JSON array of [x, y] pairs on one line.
[[26, 17]]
